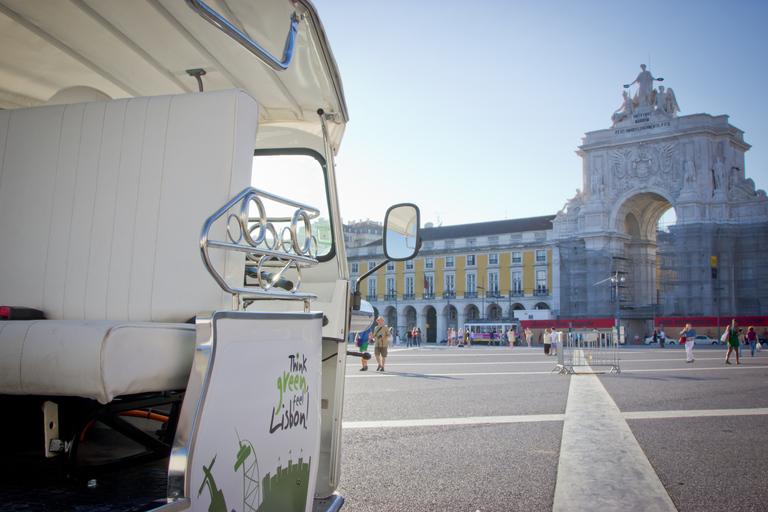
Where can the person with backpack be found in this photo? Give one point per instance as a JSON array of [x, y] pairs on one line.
[[361, 342]]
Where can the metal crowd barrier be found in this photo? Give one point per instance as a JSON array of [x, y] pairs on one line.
[[587, 349]]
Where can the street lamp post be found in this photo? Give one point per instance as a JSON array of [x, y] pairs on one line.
[[616, 280], [447, 295]]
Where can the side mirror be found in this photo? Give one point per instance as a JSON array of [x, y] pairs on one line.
[[402, 230]]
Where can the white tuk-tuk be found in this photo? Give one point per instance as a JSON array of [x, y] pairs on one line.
[[174, 290]]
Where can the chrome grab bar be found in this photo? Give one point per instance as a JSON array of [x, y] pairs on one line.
[[264, 245], [246, 42]]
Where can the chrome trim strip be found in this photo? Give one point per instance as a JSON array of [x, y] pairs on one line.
[[246, 42], [186, 433]]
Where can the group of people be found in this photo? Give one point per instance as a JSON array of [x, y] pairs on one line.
[[734, 336], [381, 336], [462, 339], [660, 337], [550, 341], [413, 337]]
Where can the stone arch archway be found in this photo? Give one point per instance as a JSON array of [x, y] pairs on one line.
[[635, 219]]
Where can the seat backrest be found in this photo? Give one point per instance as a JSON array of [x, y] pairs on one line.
[[102, 203]]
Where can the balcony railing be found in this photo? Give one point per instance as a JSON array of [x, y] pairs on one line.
[[371, 296], [429, 295], [449, 295], [409, 296], [540, 292], [470, 295], [390, 296]]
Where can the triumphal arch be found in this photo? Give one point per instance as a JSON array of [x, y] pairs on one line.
[[649, 160]]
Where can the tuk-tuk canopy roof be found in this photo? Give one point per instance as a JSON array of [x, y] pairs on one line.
[[130, 48]]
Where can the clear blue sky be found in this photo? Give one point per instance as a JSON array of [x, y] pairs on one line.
[[474, 110]]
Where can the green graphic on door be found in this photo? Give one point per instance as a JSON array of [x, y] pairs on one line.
[[286, 489]]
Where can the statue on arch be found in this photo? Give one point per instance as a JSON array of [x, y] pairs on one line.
[[689, 175], [720, 175], [665, 102], [625, 111], [645, 90]]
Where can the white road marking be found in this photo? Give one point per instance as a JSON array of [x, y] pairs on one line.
[[439, 422], [601, 462]]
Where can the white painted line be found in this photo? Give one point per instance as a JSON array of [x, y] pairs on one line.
[[652, 415], [439, 422], [376, 375], [601, 463]]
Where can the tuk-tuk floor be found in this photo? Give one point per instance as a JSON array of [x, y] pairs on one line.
[[30, 482]]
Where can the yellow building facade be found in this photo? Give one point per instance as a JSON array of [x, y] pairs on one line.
[[501, 271]]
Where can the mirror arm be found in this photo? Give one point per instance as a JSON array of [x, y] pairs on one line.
[[356, 296]]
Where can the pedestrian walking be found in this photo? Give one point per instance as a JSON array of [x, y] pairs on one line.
[[547, 341], [662, 338], [461, 337], [470, 337], [361, 342], [655, 337], [390, 338], [380, 336], [732, 335], [529, 336], [687, 336], [554, 334], [408, 337], [752, 339], [418, 336], [511, 336]]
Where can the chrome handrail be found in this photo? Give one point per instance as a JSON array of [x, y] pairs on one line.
[[264, 245], [246, 42]]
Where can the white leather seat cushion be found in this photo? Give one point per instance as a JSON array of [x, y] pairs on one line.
[[94, 359], [101, 207]]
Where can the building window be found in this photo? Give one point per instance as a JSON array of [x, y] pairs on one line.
[[541, 282], [391, 291], [429, 263], [471, 260], [471, 241], [517, 257], [493, 284], [391, 265], [429, 287], [471, 286], [449, 261], [409, 265], [541, 255], [355, 268], [408, 288], [517, 283], [493, 240], [371, 288], [493, 258], [450, 289], [371, 264]]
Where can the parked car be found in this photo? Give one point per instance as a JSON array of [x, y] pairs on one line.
[[701, 339], [667, 340]]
